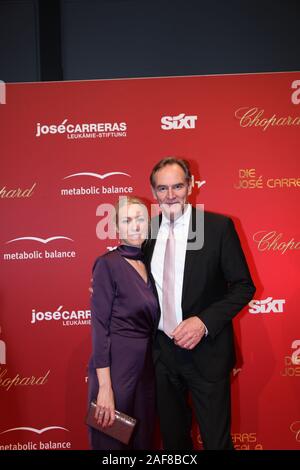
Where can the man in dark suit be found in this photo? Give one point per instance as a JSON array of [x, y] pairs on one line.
[[211, 284]]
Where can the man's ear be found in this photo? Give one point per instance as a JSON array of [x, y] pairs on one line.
[[190, 188]]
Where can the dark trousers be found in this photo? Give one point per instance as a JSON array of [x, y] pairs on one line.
[[176, 376]]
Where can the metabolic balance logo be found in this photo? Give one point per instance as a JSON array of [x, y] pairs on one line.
[[90, 130], [96, 190], [182, 121], [268, 305], [35, 430], [35, 254], [33, 445]]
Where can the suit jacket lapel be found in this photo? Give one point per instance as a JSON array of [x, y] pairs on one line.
[[148, 251], [189, 256]]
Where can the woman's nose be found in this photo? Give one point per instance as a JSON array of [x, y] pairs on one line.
[[136, 226]]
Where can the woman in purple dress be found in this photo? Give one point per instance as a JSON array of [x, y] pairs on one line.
[[124, 318]]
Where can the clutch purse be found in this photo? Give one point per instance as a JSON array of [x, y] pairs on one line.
[[121, 429]]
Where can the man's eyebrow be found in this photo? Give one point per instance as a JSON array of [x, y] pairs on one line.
[[175, 184]]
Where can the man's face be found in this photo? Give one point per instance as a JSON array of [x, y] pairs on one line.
[[171, 190]]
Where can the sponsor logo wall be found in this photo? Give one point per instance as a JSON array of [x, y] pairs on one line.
[[71, 149]]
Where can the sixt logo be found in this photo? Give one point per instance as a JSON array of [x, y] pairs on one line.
[[178, 122], [267, 305]]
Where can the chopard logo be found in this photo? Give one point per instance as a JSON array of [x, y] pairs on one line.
[[254, 117], [295, 428], [16, 192], [8, 382], [267, 241]]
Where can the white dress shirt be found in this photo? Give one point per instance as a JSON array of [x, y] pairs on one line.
[[181, 230]]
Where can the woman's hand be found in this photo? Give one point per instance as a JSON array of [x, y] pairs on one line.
[[105, 409]]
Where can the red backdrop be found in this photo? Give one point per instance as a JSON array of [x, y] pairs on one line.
[[60, 143]]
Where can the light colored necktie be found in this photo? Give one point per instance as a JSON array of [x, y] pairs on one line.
[[168, 291]]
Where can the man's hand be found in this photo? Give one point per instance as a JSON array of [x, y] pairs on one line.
[[189, 333]]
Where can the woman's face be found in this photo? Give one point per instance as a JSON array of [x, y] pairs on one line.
[[133, 224]]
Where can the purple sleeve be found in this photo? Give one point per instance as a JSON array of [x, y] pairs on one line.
[[102, 301]]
